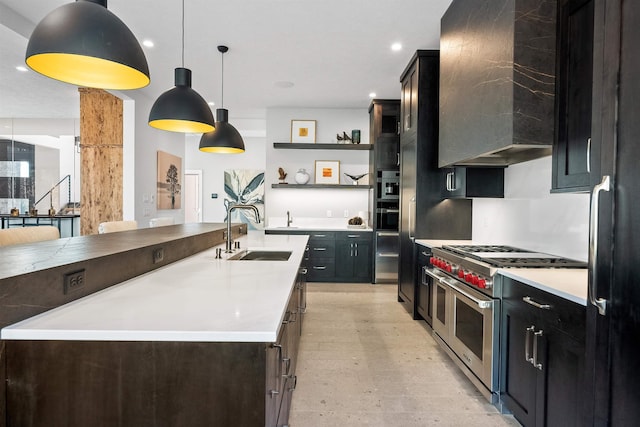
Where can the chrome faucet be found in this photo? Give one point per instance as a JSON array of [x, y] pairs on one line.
[[289, 219], [231, 208]]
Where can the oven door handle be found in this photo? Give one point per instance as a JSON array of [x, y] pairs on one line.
[[444, 281]]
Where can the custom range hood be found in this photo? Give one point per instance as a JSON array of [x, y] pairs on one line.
[[497, 82]]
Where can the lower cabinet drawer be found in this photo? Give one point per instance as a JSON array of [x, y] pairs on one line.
[[321, 269]]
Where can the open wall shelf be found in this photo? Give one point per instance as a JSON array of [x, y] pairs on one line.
[[322, 146], [326, 186]]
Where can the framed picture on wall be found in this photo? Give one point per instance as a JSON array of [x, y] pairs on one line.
[[169, 181], [327, 172], [303, 131]]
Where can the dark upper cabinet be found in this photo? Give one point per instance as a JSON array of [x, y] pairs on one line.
[[384, 134], [497, 67], [574, 60], [461, 182]]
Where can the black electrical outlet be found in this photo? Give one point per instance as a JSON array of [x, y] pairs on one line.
[[158, 255], [73, 281]]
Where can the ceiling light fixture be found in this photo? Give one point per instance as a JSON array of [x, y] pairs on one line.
[[21, 68], [225, 139], [372, 95], [396, 47], [84, 44], [148, 43], [182, 109]]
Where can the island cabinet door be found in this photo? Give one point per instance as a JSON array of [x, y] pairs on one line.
[[106, 384]]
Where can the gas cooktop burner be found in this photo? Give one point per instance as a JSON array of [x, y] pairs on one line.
[[507, 256], [466, 249]]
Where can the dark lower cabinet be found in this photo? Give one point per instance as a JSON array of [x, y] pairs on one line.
[[543, 357], [337, 256], [353, 257]]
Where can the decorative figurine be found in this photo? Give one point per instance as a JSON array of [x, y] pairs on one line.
[[282, 175], [355, 178], [344, 138]]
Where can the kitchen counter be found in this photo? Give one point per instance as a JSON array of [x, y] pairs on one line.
[[197, 299], [319, 227], [568, 283]]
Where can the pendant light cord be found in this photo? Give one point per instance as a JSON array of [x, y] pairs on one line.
[[182, 33], [222, 81]]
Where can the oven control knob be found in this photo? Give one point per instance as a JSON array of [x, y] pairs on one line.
[[474, 279], [449, 268], [467, 277], [461, 273], [482, 283], [432, 260]]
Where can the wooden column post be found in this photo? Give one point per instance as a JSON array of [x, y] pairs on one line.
[[101, 142]]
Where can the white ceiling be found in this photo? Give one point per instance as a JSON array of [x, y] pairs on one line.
[[335, 52]]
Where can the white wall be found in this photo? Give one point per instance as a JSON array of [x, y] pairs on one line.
[[213, 165], [147, 142], [532, 218], [314, 203]]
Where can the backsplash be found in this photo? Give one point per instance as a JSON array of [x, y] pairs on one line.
[[531, 217]]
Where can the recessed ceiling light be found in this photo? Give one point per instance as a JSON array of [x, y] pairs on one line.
[[148, 43], [396, 47], [211, 103], [372, 95], [21, 68], [283, 84]]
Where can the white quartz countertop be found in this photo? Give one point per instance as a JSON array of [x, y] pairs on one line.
[[199, 298], [568, 283]]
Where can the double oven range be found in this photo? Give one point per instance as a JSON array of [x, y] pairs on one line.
[[466, 303]]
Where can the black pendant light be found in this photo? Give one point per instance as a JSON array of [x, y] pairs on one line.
[[182, 109], [83, 43], [225, 139]]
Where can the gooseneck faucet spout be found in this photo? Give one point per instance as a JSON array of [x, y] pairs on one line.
[[289, 219], [232, 207]]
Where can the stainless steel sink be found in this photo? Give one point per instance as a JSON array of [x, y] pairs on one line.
[[261, 255]]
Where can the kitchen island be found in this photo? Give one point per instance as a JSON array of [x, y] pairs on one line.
[[202, 341]]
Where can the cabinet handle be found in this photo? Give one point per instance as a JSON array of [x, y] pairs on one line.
[[356, 249], [353, 236], [287, 363], [451, 181], [319, 267], [601, 303], [273, 393], [412, 202], [534, 362], [319, 235], [528, 300], [295, 382], [398, 161], [303, 271], [589, 155], [527, 346], [320, 249]]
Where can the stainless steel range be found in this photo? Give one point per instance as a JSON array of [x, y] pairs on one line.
[[466, 298]]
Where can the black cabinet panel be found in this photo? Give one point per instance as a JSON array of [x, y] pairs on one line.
[[462, 182], [542, 373], [574, 57]]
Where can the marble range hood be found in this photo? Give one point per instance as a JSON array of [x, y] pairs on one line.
[[497, 82]]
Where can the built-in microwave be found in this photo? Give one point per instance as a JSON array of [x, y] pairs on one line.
[[388, 185]]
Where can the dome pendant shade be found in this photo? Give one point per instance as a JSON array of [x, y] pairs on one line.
[[225, 139], [182, 109], [84, 44]]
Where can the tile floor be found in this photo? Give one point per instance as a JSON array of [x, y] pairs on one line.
[[364, 362]]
